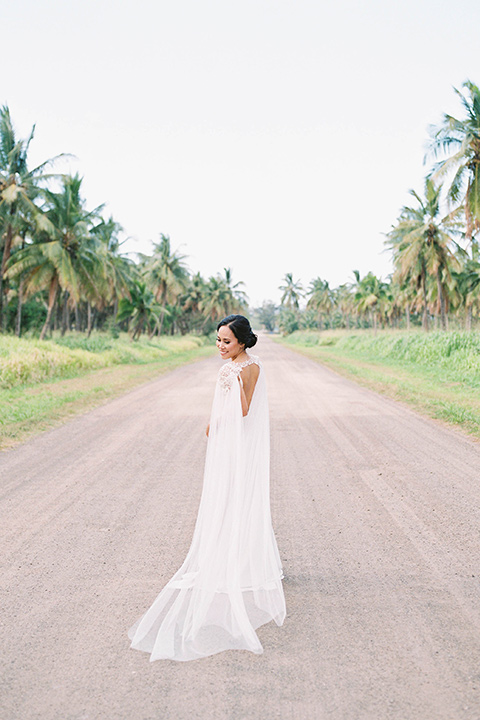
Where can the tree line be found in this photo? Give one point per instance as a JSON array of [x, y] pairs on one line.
[[434, 245], [62, 265]]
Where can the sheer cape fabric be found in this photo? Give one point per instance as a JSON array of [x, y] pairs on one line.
[[231, 580]]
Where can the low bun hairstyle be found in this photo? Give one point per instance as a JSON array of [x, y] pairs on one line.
[[241, 328]]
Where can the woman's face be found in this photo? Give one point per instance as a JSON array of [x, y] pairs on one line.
[[228, 344]]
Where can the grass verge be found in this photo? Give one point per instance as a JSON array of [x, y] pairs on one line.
[[60, 389], [437, 374]]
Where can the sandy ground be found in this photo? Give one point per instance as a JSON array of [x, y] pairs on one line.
[[377, 515]]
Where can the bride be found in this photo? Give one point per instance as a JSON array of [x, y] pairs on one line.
[[230, 581]]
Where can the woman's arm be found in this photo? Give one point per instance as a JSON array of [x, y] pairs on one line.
[[248, 379]]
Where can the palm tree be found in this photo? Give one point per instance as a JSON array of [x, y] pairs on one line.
[[115, 272], [421, 242], [141, 308], [344, 302], [238, 297], [467, 285], [217, 300], [370, 295], [404, 295], [321, 299], [462, 139], [221, 297], [64, 256], [190, 304], [292, 292], [194, 292], [19, 187], [166, 273]]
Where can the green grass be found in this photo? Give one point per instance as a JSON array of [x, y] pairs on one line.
[[42, 384], [24, 362], [437, 373]]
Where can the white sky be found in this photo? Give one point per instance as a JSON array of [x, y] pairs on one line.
[[269, 136]]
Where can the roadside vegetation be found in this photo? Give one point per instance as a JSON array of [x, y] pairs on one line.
[[438, 374], [44, 382], [26, 362]]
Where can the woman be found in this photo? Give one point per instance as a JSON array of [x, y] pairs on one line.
[[230, 582]]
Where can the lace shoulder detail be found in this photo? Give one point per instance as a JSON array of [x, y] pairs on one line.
[[251, 360], [231, 370]]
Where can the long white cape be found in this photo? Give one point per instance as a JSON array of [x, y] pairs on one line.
[[230, 582]]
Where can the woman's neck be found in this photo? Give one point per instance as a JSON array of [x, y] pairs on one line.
[[243, 355]]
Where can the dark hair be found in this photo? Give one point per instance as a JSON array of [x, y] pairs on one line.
[[241, 328]]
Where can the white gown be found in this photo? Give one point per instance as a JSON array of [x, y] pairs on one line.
[[231, 580]]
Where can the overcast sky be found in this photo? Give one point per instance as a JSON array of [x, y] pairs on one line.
[[268, 136]]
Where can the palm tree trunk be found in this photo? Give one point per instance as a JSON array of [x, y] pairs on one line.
[[7, 248], [18, 319], [77, 318], [441, 297], [468, 217], [52, 296], [425, 302], [65, 314], [90, 319], [138, 330], [468, 317], [407, 316], [160, 324]]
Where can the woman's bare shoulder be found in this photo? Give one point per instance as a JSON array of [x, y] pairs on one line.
[[251, 371]]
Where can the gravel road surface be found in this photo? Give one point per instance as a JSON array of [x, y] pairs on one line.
[[377, 516]]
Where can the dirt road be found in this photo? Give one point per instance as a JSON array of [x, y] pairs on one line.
[[377, 516]]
